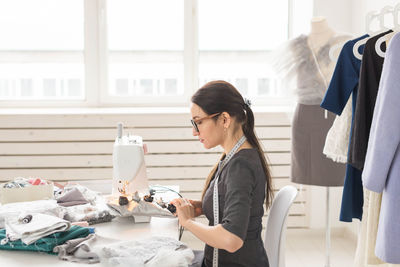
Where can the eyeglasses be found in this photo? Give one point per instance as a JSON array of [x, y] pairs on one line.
[[194, 122]]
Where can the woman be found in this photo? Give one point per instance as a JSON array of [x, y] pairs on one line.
[[220, 116]]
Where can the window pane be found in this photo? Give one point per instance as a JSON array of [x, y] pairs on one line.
[[41, 81], [145, 25], [145, 41], [235, 38], [242, 24], [245, 76], [41, 50], [41, 25]]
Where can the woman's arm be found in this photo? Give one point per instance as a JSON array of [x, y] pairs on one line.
[[215, 236]]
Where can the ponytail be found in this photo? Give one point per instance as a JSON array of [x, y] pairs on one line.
[[249, 132]]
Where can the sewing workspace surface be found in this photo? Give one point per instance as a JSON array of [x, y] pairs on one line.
[[122, 228]]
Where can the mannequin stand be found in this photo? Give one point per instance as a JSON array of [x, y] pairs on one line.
[[328, 230]]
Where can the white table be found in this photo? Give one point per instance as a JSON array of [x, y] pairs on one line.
[[120, 228]]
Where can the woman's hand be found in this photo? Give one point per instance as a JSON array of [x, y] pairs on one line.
[[197, 204], [184, 210]]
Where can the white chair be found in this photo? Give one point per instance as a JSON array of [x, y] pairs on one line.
[[274, 241]]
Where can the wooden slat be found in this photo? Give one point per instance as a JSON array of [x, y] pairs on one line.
[[155, 147], [280, 171], [129, 119], [106, 173], [109, 134], [106, 160]]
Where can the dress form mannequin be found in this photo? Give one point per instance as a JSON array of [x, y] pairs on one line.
[[307, 73], [320, 32]]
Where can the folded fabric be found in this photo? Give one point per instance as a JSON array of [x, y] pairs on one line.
[[39, 226], [45, 244], [92, 197], [87, 212], [96, 211], [150, 252], [48, 207], [71, 197], [77, 250]]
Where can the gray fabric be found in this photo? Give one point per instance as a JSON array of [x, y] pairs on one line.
[[71, 198], [241, 192], [150, 252], [102, 219], [309, 165], [198, 258], [77, 250]]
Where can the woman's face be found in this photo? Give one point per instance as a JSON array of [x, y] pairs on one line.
[[210, 131]]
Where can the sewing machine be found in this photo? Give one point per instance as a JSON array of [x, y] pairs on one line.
[[129, 169]]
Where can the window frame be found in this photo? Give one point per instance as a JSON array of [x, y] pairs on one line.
[[95, 57]]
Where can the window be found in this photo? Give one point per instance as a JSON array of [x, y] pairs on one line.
[[145, 50], [41, 56], [140, 53]]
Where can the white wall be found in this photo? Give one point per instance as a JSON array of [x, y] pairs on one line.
[[349, 15], [337, 12], [362, 7]]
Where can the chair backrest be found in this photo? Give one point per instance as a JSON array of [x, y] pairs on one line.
[[274, 241]]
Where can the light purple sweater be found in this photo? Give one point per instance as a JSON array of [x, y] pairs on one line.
[[382, 165]]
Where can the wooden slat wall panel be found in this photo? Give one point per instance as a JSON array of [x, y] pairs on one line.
[[106, 173], [78, 147], [132, 120], [155, 147], [108, 134], [158, 160]]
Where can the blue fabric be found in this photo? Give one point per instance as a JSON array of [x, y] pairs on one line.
[[344, 82]]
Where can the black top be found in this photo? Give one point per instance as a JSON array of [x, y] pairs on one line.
[[241, 193], [370, 74]]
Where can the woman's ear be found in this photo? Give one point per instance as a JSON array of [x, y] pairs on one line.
[[226, 119]]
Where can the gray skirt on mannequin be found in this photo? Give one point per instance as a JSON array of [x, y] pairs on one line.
[[309, 165]]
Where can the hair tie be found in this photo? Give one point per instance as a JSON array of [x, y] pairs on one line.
[[247, 102]]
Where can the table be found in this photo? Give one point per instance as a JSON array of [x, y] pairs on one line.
[[120, 228]]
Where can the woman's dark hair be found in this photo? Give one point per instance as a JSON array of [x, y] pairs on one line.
[[220, 96]]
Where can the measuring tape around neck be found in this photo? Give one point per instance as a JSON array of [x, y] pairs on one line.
[[221, 165]]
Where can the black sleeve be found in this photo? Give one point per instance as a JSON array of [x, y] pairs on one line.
[[371, 70], [240, 182]]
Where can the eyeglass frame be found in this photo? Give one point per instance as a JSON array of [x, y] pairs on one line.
[[195, 121]]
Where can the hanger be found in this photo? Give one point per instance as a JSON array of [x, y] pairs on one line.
[[378, 45], [368, 20]]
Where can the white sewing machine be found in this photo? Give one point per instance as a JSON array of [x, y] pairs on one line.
[[129, 169]]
